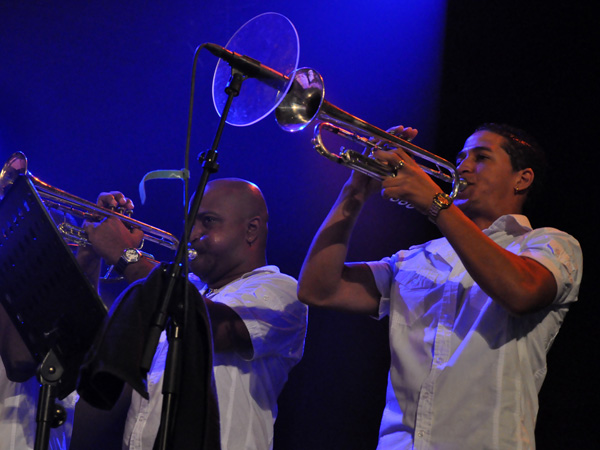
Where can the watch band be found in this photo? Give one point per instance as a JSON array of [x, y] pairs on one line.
[[440, 201], [129, 256]]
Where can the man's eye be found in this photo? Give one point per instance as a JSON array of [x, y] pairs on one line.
[[206, 221]]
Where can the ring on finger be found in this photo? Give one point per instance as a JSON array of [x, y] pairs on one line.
[[398, 165]]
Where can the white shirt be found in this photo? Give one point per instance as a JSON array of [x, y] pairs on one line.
[[465, 374], [18, 409], [247, 389]]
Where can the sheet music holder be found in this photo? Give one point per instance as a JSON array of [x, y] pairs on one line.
[[54, 307]]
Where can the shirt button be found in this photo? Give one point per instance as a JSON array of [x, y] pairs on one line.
[[420, 434]]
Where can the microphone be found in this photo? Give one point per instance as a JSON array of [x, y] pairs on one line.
[[249, 66]]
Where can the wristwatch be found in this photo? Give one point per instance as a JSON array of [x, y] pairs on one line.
[[440, 201], [129, 256]]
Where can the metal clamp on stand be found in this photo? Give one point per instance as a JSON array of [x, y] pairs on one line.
[[49, 413]]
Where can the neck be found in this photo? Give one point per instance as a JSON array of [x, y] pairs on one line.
[[484, 218], [236, 273]]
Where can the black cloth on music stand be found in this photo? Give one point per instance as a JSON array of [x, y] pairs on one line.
[[115, 359]]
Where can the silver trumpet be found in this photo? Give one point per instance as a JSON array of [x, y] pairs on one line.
[[305, 102], [70, 205]]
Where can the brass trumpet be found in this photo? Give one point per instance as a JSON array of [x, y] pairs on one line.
[[68, 204], [305, 101]]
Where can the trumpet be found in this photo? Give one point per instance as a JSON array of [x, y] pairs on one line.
[[70, 205], [305, 101]]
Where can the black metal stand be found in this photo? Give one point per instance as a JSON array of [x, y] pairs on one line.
[[176, 321], [53, 306]]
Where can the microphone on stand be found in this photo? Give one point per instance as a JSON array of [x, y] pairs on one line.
[[249, 66]]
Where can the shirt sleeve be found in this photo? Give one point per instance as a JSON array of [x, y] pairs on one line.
[[561, 254], [275, 319], [384, 276]]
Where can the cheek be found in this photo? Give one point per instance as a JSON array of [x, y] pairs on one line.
[[218, 242]]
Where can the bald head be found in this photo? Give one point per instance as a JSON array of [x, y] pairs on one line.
[[244, 197], [230, 231]]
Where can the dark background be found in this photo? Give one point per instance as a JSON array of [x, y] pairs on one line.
[[96, 94]]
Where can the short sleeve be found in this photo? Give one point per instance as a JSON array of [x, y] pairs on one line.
[[384, 276], [275, 319], [561, 254]]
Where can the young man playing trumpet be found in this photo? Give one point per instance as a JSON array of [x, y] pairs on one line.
[[471, 315]]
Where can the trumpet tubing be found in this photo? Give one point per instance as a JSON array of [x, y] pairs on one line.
[[305, 102], [69, 204]]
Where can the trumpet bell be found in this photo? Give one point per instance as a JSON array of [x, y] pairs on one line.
[[14, 166], [303, 101]]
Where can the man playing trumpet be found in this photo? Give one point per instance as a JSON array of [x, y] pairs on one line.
[[471, 315], [258, 324]]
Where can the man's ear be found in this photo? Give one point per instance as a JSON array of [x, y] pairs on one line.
[[252, 229], [525, 179]]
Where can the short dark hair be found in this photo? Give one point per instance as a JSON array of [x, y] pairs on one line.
[[524, 152]]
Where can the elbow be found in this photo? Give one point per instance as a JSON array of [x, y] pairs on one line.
[[522, 305], [516, 310], [310, 296], [306, 296]]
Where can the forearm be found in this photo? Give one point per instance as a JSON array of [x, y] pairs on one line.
[[325, 279], [141, 269], [519, 284], [90, 264]]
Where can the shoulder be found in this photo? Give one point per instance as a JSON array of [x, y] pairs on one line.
[[263, 285], [270, 276], [548, 239], [555, 240]]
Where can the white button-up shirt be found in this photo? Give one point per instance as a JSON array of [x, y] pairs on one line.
[[465, 374], [247, 389]]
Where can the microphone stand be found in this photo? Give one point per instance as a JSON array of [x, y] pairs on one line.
[[172, 373]]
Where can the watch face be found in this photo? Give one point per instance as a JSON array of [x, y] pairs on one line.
[[443, 200], [131, 255]]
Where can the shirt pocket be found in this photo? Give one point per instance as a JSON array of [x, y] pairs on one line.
[[413, 294]]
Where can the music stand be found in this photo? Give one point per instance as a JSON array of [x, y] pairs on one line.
[[54, 307]]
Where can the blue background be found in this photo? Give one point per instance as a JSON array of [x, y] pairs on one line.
[[96, 94]]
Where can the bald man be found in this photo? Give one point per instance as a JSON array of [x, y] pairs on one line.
[[258, 324]]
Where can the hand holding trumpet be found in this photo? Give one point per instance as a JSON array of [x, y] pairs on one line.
[[411, 184], [110, 236], [392, 156]]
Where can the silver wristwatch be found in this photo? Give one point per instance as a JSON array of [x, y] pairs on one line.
[[129, 256]]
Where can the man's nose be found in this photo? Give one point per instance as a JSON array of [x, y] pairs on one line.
[[196, 233], [464, 166]]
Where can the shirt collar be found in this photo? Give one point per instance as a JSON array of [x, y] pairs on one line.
[[510, 223], [204, 290]]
